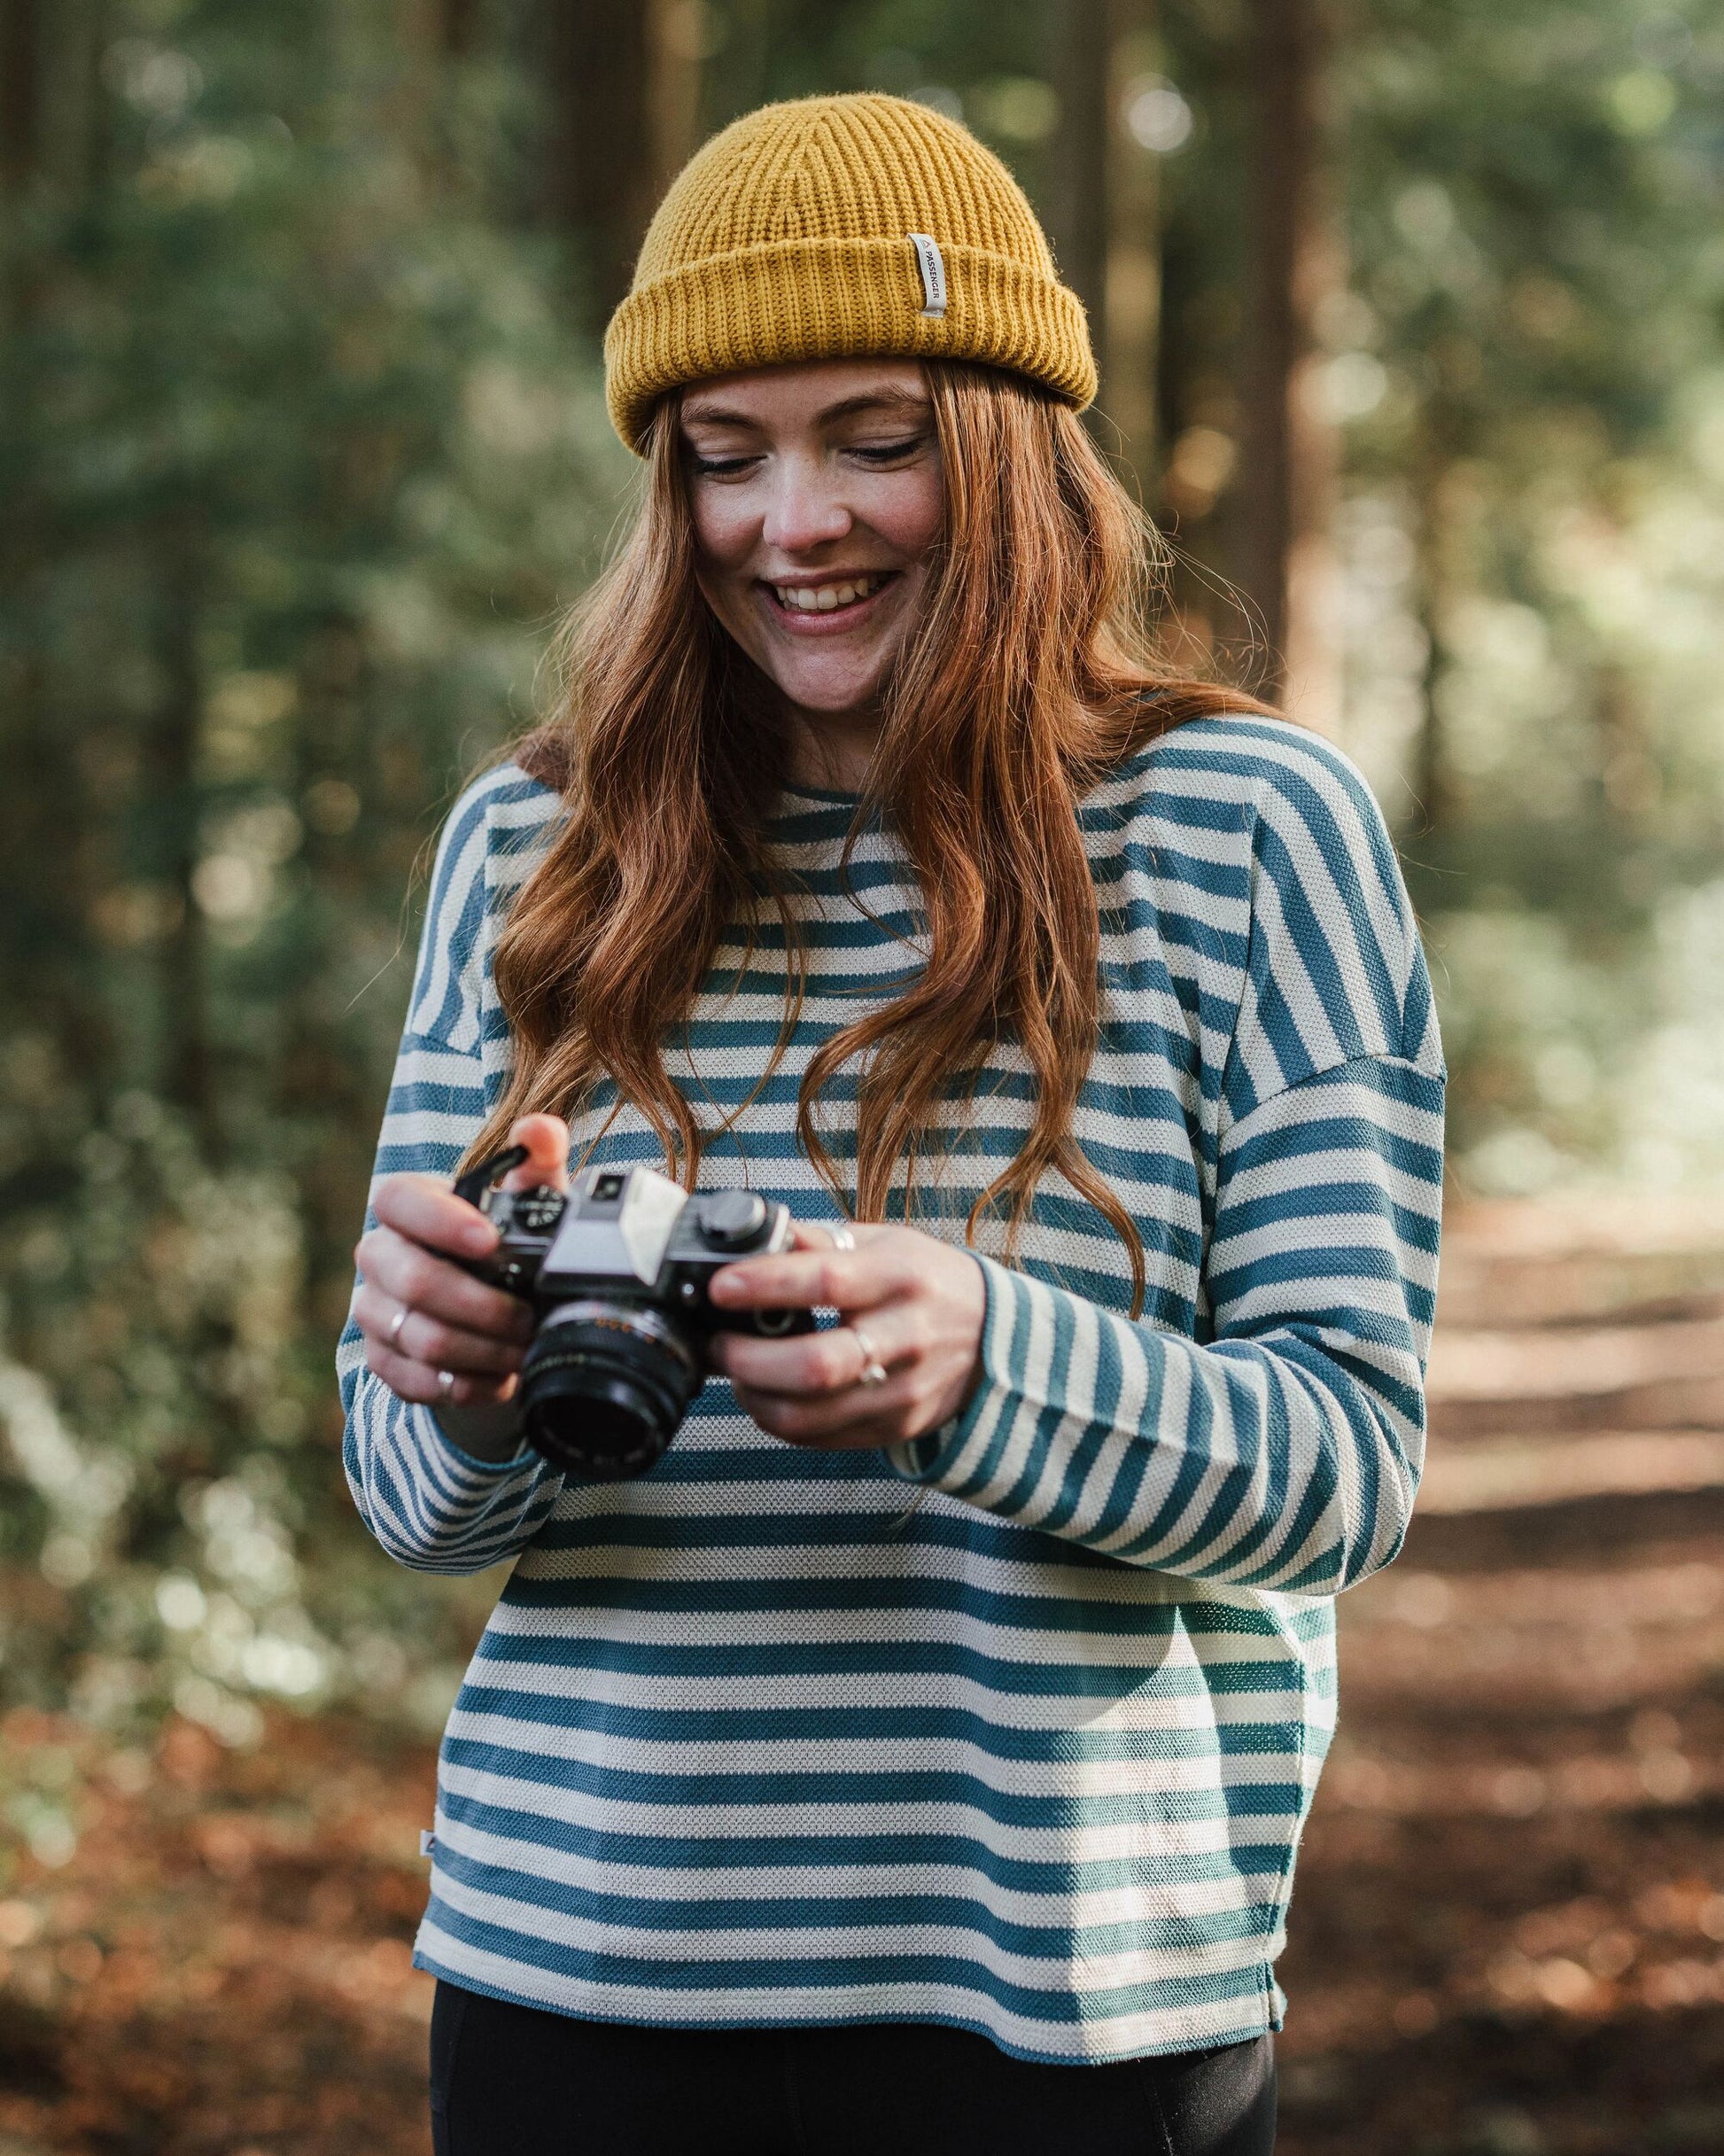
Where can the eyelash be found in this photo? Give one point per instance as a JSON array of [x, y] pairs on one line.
[[874, 453], [887, 452]]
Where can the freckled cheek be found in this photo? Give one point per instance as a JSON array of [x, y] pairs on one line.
[[908, 515], [724, 535], [725, 546]]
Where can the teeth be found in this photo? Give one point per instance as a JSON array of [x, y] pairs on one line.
[[826, 599]]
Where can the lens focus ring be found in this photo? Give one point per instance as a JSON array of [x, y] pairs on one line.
[[604, 1386]]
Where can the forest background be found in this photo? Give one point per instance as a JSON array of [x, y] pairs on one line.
[[1411, 322]]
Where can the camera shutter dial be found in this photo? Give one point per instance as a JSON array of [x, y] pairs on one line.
[[732, 1217]]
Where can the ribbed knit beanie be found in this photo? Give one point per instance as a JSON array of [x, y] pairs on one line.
[[842, 227]]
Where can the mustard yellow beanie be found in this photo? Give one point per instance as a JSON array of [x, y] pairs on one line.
[[842, 227]]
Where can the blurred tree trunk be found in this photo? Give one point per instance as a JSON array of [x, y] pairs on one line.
[[1132, 323], [47, 127], [677, 40], [20, 93], [1430, 762], [1106, 212], [52, 123], [625, 95], [1078, 32], [172, 783], [433, 36], [460, 27], [1286, 496]]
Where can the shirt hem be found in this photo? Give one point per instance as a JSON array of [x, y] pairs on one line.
[[1255, 2024]]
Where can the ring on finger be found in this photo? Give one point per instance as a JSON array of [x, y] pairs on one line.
[[397, 1322], [839, 1231], [446, 1385], [873, 1370]]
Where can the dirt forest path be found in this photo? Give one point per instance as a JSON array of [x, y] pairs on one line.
[[1507, 1936]]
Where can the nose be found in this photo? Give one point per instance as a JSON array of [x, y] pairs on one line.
[[804, 509]]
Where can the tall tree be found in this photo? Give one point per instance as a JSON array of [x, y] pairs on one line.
[[598, 157], [1077, 204], [624, 87], [20, 30], [1286, 497], [1103, 209], [460, 26], [677, 32], [1132, 320]]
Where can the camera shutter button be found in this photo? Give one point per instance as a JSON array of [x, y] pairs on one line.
[[732, 1216]]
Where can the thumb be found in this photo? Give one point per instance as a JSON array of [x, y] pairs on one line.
[[547, 1141]]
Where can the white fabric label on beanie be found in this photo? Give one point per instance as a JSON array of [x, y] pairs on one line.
[[932, 265]]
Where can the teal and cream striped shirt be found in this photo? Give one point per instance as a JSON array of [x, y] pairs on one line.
[[1015, 1728]]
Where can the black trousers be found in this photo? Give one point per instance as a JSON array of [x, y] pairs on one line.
[[509, 2081]]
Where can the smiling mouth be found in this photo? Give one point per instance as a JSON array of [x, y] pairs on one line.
[[830, 598]]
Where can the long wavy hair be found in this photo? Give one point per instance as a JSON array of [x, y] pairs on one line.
[[1030, 675]]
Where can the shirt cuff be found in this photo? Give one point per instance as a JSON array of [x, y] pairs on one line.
[[473, 1462]]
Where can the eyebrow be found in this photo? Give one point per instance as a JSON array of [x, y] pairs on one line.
[[907, 402]]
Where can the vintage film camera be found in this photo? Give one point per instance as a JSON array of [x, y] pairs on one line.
[[617, 1272]]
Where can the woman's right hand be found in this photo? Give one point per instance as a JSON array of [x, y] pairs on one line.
[[453, 1322]]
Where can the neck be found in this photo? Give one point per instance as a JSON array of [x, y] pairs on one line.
[[832, 750]]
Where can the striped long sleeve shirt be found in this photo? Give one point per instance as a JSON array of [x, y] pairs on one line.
[[1014, 1727]]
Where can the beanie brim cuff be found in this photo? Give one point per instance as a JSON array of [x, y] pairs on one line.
[[792, 301]]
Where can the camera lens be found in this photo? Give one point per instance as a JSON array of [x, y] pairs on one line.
[[603, 1388]]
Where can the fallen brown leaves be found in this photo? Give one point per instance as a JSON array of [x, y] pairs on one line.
[[223, 1964], [1508, 1930]]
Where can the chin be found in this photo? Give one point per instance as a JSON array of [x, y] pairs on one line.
[[831, 691]]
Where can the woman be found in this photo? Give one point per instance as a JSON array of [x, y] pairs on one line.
[[915, 1758]]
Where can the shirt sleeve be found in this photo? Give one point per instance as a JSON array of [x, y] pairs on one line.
[[1280, 1446], [431, 1505], [1284, 1453]]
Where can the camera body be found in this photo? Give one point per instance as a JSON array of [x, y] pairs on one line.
[[619, 1272]]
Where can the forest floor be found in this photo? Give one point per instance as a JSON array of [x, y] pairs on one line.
[[1507, 1934]]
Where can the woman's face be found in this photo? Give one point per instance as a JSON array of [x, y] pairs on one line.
[[818, 499]]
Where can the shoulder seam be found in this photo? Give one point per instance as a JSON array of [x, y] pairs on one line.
[[1437, 1075]]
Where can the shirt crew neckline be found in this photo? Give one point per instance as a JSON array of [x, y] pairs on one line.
[[820, 793]]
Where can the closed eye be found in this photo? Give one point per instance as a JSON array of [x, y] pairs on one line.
[[721, 467], [887, 452]]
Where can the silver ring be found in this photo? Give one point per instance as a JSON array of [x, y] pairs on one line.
[[842, 1238], [446, 1384], [873, 1370], [397, 1322]]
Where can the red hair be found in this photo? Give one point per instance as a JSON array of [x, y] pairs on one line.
[[1031, 676]]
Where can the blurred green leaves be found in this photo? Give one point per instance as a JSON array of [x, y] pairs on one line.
[[299, 457]]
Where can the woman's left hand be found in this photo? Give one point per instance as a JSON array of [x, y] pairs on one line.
[[912, 1306]]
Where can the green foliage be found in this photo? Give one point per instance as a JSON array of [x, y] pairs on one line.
[[1531, 351], [300, 456]]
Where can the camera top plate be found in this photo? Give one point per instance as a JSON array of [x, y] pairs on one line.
[[618, 1225]]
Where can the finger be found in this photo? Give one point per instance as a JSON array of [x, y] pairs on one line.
[[815, 1363], [547, 1141], [422, 1338], [824, 1234], [804, 1279], [421, 1384], [428, 1211], [409, 1273], [850, 1420]]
